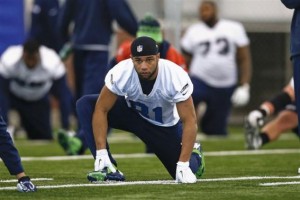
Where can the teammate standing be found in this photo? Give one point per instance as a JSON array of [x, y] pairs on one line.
[[44, 16], [91, 36], [150, 97], [217, 54]]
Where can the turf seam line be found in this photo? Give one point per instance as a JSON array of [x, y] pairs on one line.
[[143, 155]]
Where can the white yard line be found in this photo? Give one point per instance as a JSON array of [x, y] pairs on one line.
[[158, 182], [33, 179], [251, 152], [280, 183], [248, 178]]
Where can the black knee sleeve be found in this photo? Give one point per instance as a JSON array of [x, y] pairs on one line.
[[280, 101]]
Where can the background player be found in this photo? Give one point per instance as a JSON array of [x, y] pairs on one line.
[[217, 53], [44, 16], [29, 75], [91, 36], [281, 105]]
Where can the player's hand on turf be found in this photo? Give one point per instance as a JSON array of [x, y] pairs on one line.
[[102, 160], [241, 95], [25, 185], [184, 173], [256, 118]]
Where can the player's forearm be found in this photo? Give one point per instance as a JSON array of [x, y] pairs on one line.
[[65, 18], [245, 65], [188, 117], [188, 140], [245, 76], [100, 128]]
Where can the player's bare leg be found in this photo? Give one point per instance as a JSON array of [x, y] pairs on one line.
[[285, 121]]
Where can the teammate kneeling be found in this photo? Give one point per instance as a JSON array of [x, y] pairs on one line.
[[150, 97]]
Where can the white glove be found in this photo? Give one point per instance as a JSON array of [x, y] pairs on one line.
[[184, 173], [102, 160], [241, 95], [256, 118]]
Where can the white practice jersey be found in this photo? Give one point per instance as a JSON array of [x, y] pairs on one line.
[[214, 51], [30, 84], [172, 85]]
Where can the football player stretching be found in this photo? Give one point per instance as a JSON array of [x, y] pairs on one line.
[[150, 97]]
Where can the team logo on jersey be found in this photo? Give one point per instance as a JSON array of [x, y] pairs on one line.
[[183, 91], [139, 48], [111, 79]]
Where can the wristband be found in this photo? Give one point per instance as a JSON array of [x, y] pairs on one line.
[[101, 152], [183, 164], [263, 112]]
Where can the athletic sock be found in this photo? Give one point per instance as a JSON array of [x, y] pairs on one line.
[[264, 138]]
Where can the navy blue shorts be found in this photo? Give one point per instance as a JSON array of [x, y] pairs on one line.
[[218, 107], [35, 117]]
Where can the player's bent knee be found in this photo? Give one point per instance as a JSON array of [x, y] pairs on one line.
[[87, 101]]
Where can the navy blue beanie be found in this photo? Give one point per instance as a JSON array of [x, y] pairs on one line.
[[143, 46]]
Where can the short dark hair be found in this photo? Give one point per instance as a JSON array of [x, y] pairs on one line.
[[31, 46]]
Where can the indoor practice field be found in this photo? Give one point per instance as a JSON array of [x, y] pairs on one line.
[[231, 172]]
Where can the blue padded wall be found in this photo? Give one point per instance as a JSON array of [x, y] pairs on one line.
[[12, 30]]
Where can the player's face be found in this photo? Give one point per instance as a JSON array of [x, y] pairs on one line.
[[208, 13], [31, 60], [146, 66]]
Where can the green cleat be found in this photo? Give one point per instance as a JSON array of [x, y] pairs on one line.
[[96, 176], [70, 144], [198, 150], [105, 175]]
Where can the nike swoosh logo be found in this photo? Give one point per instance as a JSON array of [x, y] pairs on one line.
[[181, 173]]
